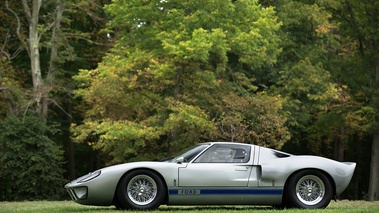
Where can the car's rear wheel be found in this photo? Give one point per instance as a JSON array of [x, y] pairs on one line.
[[141, 189], [309, 189]]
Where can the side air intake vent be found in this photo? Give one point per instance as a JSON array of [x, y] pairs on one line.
[[281, 154]]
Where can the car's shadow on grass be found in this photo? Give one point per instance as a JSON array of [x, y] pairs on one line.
[[213, 208], [176, 209]]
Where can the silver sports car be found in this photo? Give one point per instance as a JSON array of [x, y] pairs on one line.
[[217, 173]]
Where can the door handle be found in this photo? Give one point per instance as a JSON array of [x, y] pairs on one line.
[[241, 170]]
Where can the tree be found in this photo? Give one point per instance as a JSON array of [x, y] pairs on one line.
[[41, 86], [300, 75], [165, 83], [41, 49], [35, 174], [253, 119], [43, 26], [328, 74], [358, 31]]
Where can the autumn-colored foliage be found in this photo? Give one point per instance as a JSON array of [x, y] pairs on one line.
[[174, 86]]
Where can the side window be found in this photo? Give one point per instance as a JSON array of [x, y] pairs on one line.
[[225, 154]]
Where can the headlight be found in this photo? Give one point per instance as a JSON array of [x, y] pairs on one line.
[[81, 192], [89, 177]]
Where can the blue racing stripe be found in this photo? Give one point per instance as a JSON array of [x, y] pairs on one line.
[[225, 191]]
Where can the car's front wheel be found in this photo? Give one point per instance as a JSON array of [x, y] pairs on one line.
[[141, 190], [309, 189]]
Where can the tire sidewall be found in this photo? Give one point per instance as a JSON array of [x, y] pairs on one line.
[[291, 190], [124, 199]]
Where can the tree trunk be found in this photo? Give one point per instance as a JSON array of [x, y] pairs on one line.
[[2, 196], [71, 160], [339, 147], [34, 48], [373, 191], [54, 42], [42, 89], [38, 85], [68, 143], [177, 91]]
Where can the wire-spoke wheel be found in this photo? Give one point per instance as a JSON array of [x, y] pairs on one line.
[[141, 189], [309, 189]]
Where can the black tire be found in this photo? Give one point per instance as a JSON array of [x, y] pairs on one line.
[[141, 190], [309, 189], [117, 204]]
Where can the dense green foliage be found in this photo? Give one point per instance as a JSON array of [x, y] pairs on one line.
[[31, 163], [183, 79], [67, 39], [140, 80]]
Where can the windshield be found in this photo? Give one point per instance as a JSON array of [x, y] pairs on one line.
[[187, 154]]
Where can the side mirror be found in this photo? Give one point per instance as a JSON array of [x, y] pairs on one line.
[[180, 160]]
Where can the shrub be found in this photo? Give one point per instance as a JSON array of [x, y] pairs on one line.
[[30, 162]]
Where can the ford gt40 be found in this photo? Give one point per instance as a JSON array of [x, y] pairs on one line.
[[217, 173]]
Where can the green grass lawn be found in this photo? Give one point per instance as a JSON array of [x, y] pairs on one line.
[[69, 206]]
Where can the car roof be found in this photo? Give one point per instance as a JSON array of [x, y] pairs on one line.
[[209, 143]]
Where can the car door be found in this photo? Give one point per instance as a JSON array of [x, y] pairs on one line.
[[222, 165]]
